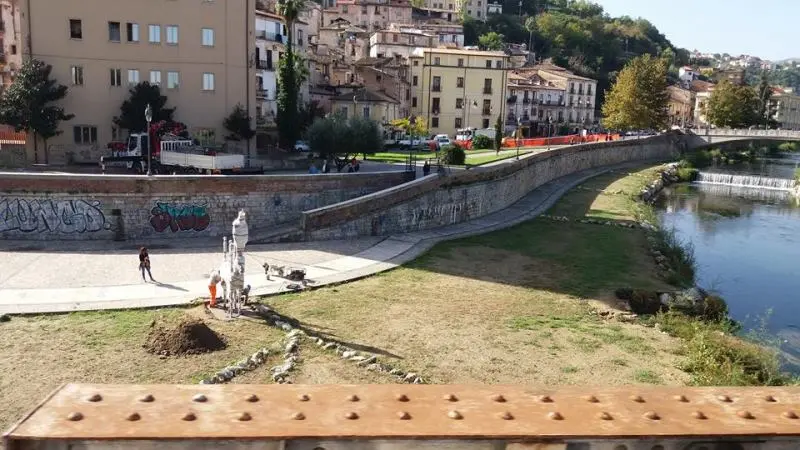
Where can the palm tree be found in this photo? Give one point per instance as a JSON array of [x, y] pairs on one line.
[[287, 96]]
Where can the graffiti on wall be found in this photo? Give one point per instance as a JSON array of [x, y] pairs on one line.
[[51, 216], [179, 217]]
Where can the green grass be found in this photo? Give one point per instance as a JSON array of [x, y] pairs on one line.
[[647, 376]]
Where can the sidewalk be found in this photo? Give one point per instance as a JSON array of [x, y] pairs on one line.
[[46, 282]]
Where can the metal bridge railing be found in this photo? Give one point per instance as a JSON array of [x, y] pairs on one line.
[[745, 132], [395, 417]]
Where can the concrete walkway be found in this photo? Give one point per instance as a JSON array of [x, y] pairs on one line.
[[39, 281]]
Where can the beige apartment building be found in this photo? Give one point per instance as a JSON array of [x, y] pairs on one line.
[[10, 51], [201, 53], [787, 110], [456, 88], [371, 15]]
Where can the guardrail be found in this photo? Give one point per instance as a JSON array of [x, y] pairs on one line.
[[399, 417], [745, 132]]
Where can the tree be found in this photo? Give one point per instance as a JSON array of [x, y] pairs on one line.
[[131, 115], [239, 124], [766, 110], [491, 41], [27, 104], [732, 106], [412, 126], [365, 136], [498, 133], [638, 99], [308, 113], [288, 85], [335, 137]]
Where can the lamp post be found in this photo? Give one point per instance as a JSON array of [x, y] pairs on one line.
[[148, 116], [519, 127], [549, 120]]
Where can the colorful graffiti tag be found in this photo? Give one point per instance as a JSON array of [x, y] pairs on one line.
[[51, 216], [179, 217]]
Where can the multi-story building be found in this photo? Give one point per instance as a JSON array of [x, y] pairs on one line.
[[702, 93], [580, 98], [388, 77], [10, 51], [398, 43], [199, 52], [735, 76], [368, 104], [446, 10], [681, 106], [369, 14], [456, 88], [533, 103], [448, 34], [477, 9], [787, 109], [270, 31], [494, 7]]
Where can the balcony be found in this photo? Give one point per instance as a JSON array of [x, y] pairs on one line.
[[526, 100], [512, 99], [487, 90], [262, 93], [264, 64], [265, 35], [435, 111]]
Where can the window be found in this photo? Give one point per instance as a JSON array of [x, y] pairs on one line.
[[114, 32], [364, 9], [133, 32], [458, 123], [300, 38], [437, 84], [116, 77], [435, 105], [366, 112], [479, 14], [154, 34], [84, 134], [459, 103], [485, 121], [77, 75], [75, 29], [416, 63], [208, 37], [115, 134], [208, 81], [498, 64], [487, 86], [344, 9], [133, 76], [434, 122], [437, 61], [460, 82], [394, 37], [460, 62], [173, 80], [155, 77], [414, 80], [413, 102], [488, 64], [172, 34]]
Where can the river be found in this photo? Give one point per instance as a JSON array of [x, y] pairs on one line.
[[747, 246]]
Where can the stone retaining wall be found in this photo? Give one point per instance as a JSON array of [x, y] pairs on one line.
[[108, 207], [436, 201]]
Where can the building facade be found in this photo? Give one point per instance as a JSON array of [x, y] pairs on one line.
[[10, 49], [534, 104], [681, 106], [370, 15], [199, 52], [787, 110], [580, 96], [398, 43], [270, 31], [454, 89]]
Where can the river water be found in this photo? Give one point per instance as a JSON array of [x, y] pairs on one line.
[[747, 246]]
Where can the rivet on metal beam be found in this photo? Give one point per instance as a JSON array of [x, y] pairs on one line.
[[681, 398], [498, 398], [95, 398], [402, 415], [455, 415], [555, 415], [637, 398], [605, 416], [790, 415], [298, 416], [545, 399], [244, 417], [133, 417], [699, 415], [770, 399], [351, 416], [147, 398], [252, 398], [451, 398], [75, 416], [402, 398], [506, 416], [745, 415], [353, 398], [591, 399], [652, 415], [724, 398], [303, 397], [199, 398], [189, 417]]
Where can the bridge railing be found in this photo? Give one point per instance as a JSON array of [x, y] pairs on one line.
[[745, 132], [399, 417]]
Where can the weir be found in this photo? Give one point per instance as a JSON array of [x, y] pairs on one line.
[[753, 181]]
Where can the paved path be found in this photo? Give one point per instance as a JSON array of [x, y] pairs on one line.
[[61, 280]]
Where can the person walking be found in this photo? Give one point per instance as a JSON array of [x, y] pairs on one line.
[[144, 263], [426, 168]]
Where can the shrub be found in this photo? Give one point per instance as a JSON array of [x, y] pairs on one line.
[[481, 142], [687, 174], [454, 154], [700, 158], [788, 147]]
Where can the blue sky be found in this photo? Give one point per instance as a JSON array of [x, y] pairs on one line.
[[763, 28]]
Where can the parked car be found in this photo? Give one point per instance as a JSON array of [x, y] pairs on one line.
[[301, 146], [442, 140]]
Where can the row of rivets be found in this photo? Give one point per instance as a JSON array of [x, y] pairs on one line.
[[555, 415]]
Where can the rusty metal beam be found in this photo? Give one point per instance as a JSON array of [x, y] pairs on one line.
[[397, 412]]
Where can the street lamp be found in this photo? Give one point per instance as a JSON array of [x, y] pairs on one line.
[[519, 127], [549, 120], [148, 116]]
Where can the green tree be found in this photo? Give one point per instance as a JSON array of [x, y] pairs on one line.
[[336, 138], [27, 104], [131, 116], [365, 136], [638, 99], [288, 75], [498, 133], [766, 109], [732, 106], [239, 124], [412, 126], [491, 41]]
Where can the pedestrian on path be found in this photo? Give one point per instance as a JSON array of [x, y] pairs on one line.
[[213, 280], [426, 168], [144, 263]]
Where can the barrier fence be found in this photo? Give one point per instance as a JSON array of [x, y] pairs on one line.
[[328, 417]]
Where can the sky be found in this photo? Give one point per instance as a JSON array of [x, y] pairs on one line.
[[763, 28]]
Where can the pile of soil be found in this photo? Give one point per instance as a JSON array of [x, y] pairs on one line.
[[190, 337]]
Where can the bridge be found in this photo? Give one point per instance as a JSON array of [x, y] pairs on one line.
[[405, 417], [720, 135]]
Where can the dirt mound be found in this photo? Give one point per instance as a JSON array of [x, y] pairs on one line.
[[190, 337]]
